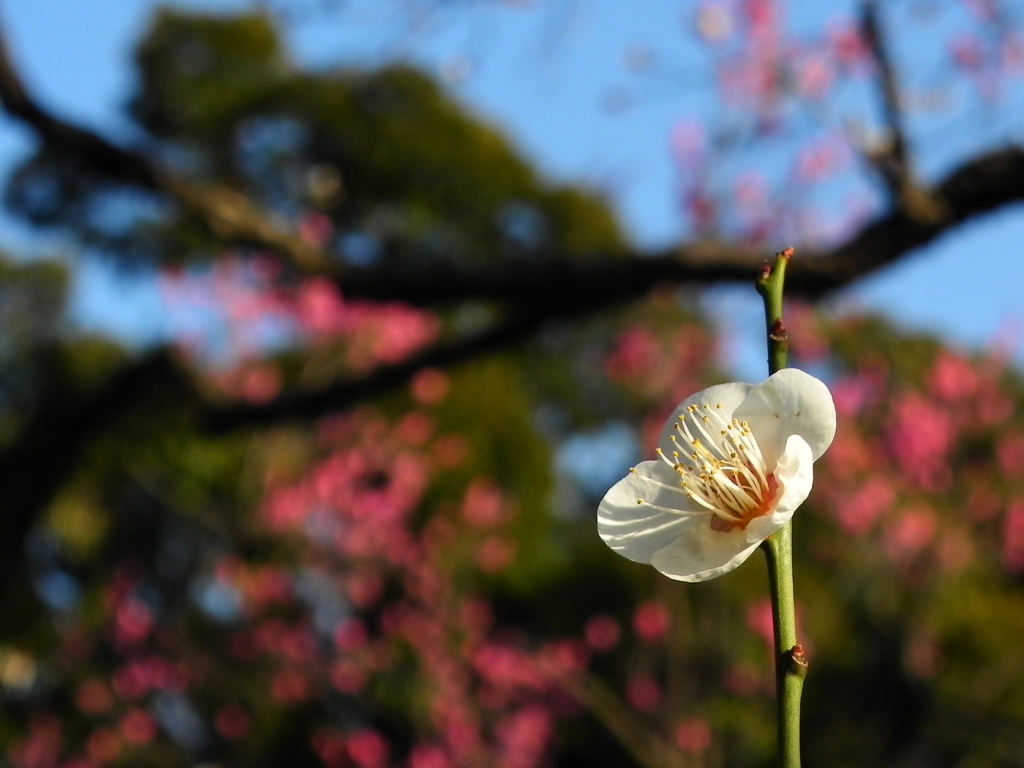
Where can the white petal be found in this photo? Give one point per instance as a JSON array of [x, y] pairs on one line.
[[700, 553], [794, 473], [637, 531], [729, 396], [789, 402]]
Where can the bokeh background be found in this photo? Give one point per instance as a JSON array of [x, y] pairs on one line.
[[326, 325]]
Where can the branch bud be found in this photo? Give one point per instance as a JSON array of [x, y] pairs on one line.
[[778, 331], [798, 662]]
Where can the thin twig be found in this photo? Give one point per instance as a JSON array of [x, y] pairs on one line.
[[893, 161]]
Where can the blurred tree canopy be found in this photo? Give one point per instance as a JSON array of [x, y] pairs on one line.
[[346, 518]]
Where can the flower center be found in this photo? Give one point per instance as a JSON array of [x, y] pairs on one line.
[[721, 467]]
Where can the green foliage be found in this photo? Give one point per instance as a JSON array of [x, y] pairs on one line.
[[200, 72], [386, 154]]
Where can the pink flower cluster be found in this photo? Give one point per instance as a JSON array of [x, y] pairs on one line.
[[489, 700], [239, 312]]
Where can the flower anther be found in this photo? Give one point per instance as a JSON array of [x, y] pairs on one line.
[[733, 463]]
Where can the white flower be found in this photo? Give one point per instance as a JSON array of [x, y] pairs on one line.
[[734, 463]]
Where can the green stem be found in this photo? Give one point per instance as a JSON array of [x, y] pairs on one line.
[[769, 284], [790, 662]]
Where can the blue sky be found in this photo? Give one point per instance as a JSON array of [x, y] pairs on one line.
[[543, 72]]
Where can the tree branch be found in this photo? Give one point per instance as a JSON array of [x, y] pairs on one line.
[[228, 213], [514, 329], [35, 466], [892, 109], [893, 161], [981, 185], [566, 291]]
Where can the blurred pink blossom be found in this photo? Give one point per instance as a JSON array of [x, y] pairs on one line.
[[103, 745], [967, 51], [231, 722], [523, 737], [602, 632], [315, 229], [415, 428], [329, 746], [319, 307], [495, 554], [348, 676], [993, 406], [42, 746], [636, 350], [911, 532], [367, 749], [693, 735], [952, 378], [983, 10], [849, 455], [364, 589], [687, 142], [848, 46], [143, 674], [289, 686], [137, 726], [1011, 53], [920, 435], [260, 383], [651, 621], [429, 756], [351, 635], [820, 160], [643, 693], [815, 76], [93, 697], [851, 394], [483, 505], [1010, 454], [133, 621], [858, 510], [563, 657], [507, 667], [430, 386]]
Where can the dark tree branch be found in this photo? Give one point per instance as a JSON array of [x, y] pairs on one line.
[[36, 465], [981, 185], [561, 293], [228, 213], [515, 329]]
